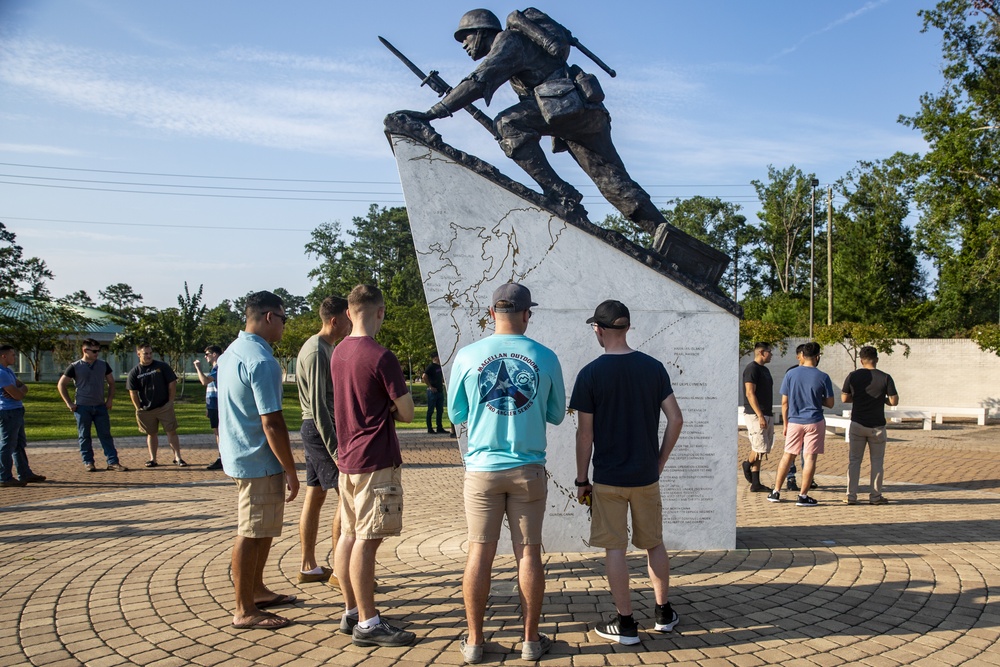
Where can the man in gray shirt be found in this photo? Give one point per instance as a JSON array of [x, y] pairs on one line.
[[90, 375]]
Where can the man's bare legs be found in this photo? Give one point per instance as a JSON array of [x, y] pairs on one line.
[[658, 565], [808, 470], [152, 444], [175, 444], [783, 465], [476, 587], [362, 573], [309, 526], [248, 561], [616, 568], [342, 568], [531, 586]]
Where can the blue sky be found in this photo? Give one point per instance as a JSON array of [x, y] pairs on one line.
[[262, 120]]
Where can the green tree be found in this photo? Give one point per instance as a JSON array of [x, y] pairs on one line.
[[221, 325], [618, 223], [80, 298], [34, 277], [987, 337], [378, 251], [720, 225], [781, 238], [756, 331], [121, 301], [294, 305], [877, 276], [38, 327], [11, 262], [958, 192], [298, 329], [852, 336]]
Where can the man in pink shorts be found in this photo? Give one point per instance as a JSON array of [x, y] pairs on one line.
[[805, 391]]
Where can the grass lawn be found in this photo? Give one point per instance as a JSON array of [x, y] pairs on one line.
[[46, 416]]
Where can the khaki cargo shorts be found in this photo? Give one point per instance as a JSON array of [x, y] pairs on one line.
[[261, 505], [149, 420], [371, 504]]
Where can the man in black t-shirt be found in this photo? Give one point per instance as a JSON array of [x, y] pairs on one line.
[[152, 385], [434, 379], [758, 414], [618, 399], [869, 390]]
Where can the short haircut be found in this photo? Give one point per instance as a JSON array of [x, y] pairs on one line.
[[90, 342], [6, 348], [331, 307], [868, 353], [800, 349], [811, 349], [365, 297], [762, 345], [143, 344], [260, 304], [214, 349]]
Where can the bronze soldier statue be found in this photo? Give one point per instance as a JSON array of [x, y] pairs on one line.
[[554, 99]]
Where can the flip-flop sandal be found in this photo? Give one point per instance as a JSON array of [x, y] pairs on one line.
[[151, 464], [263, 621], [277, 602]]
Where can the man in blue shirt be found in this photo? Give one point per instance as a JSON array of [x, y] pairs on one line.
[[253, 442], [507, 387], [212, 354], [12, 437], [805, 391]]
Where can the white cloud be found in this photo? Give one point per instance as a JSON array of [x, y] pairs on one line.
[[37, 149], [237, 95], [850, 16]]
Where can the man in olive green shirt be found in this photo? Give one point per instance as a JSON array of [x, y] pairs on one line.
[[319, 436]]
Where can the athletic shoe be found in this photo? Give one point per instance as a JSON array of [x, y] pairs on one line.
[[619, 630], [666, 618], [535, 650], [90, 467], [471, 653], [431, 431], [848, 501], [774, 496], [181, 463], [746, 471], [215, 466], [151, 464], [13, 482], [33, 478], [382, 634], [441, 430], [881, 500], [813, 485], [792, 485], [760, 488], [117, 467], [347, 624], [806, 501]]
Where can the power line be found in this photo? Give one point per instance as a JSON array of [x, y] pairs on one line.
[[141, 224], [232, 178]]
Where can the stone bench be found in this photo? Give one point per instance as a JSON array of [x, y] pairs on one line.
[[897, 415], [941, 413]]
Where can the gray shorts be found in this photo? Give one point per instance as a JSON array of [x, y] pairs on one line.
[[321, 470]]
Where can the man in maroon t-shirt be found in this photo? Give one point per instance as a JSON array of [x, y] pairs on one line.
[[370, 393]]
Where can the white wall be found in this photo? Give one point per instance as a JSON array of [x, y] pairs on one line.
[[938, 372]]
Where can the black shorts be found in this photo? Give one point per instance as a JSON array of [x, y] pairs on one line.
[[213, 416], [320, 469]]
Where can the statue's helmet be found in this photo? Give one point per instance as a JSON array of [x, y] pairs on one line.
[[477, 19]]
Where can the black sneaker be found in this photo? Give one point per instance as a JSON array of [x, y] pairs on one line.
[[792, 486], [746, 471], [215, 466], [347, 624], [441, 430], [666, 618], [382, 634], [813, 485], [806, 501], [621, 630], [431, 431], [774, 496]]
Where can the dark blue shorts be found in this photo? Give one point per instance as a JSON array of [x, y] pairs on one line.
[[320, 468], [213, 416]]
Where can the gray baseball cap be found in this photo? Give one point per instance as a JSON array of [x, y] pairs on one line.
[[516, 294]]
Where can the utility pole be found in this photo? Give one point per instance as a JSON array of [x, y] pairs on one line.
[[812, 255], [829, 254]]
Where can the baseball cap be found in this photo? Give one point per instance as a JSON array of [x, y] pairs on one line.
[[607, 312], [516, 294]]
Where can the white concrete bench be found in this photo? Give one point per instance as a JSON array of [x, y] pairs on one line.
[[941, 413], [834, 422], [897, 415]]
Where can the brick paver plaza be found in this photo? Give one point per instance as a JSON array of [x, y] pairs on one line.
[[110, 568]]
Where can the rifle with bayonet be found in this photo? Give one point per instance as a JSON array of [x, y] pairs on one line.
[[439, 86]]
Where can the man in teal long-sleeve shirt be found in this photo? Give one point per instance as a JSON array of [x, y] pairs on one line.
[[507, 387]]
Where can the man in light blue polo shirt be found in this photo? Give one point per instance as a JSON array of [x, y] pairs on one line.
[[255, 450]]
